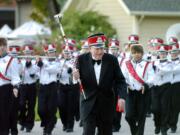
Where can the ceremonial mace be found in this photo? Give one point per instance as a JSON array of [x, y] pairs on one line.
[[58, 18]]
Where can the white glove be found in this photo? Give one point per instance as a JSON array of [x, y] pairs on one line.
[[15, 92], [121, 104], [76, 74]]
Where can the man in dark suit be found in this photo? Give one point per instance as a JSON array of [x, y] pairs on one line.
[[98, 73]]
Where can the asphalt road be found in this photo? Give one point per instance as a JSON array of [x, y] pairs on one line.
[[149, 129]]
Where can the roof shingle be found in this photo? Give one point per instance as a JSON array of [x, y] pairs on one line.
[[153, 5]]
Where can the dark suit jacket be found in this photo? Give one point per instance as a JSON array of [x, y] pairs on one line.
[[103, 94]]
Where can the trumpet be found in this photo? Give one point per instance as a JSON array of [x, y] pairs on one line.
[[35, 57]]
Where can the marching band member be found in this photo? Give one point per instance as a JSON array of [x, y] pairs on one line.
[[132, 39], [67, 93], [9, 83], [175, 84], [14, 51], [161, 91], [138, 74], [114, 50], [84, 47], [72, 43], [75, 53], [47, 98], [28, 90]]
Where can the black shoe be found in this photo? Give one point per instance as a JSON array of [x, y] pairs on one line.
[[28, 130], [69, 130], [148, 115], [157, 130], [64, 128], [81, 124], [22, 128], [44, 131], [14, 133], [163, 133], [115, 129], [48, 134], [173, 130]]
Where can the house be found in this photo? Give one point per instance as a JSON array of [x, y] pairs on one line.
[[148, 18], [23, 11], [7, 13]]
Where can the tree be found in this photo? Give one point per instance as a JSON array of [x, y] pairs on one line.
[[79, 25], [44, 11]]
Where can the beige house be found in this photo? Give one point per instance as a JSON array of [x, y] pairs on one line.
[[148, 18], [23, 11]]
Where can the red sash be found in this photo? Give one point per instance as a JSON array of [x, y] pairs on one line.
[[120, 63], [134, 73], [1, 75]]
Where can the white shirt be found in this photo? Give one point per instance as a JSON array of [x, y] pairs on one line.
[[163, 73], [176, 71], [48, 73], [12, 72], [97, 70], [64, 76], [139, 68], [26, 72]]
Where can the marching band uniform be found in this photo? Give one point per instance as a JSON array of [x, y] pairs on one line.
[[47, 97], [28, 91], [175, 84], [75, 53], [114, 49], [138, 76], [9, 79], [161, 91], [67, 93], [13, 51]]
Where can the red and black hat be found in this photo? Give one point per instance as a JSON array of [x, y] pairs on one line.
[[49, 48], [28, 49], [133, 39], [163, 48], [68, 49], [172, 40], [84, 44], [174, 48], [97, 40], [113, 43], [14, 49]]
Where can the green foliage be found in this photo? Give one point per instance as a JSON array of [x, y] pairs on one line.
[[77, 25], [80, 25], [40, 12]]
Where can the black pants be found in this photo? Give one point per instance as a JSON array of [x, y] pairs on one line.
[[148, 101], [14, 115], [95, 119], [117, 117], [161, 105], [27, 105], [175, 105], [67, 104], [117, 120], [47, 106], [5, 108], [136, 109]]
